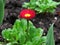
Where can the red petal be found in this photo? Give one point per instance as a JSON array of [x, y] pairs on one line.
[[27, 11]]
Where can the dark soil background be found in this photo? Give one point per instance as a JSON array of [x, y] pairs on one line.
[[12, 9]]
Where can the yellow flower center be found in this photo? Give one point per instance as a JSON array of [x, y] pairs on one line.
[[27, 15]]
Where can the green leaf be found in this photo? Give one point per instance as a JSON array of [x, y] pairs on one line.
[[31, 24], [17, 25], [26, 5], [39, 40], [4, 1], [32, 1], [7, 34], [33, 32], [23, 24], [50, 36], [28, 43], [22, 36], [1, 11], [12, 43], [9, 44], [15, 33]]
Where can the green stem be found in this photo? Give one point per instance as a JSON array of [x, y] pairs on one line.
[[27, 25], [27, 31]]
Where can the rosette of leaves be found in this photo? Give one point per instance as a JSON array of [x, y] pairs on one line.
[[19, 36], [41, 5]]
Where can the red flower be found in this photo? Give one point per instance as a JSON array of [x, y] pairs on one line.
[[27, 14]]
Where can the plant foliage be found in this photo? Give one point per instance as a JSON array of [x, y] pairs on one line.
[[18, 34], [41, 5], [50, 36]]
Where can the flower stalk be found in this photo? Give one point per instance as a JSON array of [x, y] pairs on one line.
[[27, 25]]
